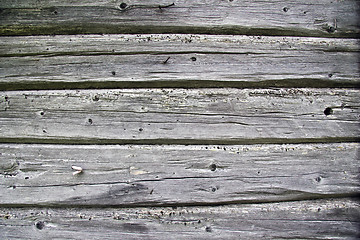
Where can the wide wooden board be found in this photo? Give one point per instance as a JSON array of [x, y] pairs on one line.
[[328, 18], [134, 175], [320, 219], [180, 116], [132, 61]]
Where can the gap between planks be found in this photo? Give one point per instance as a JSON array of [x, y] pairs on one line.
[[181, 84], [165, 141], [65, 205]]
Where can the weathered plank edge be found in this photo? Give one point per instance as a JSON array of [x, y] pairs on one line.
[[166, 141], [67, 204], [97, 28], [355, 197], [187, 84]]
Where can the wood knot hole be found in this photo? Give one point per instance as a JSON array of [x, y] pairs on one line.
[[328, 111], [40, 225], [330, 29], [123, 5], [213, 167]]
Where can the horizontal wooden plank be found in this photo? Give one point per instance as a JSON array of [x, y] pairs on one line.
[[134, 175], [118, 61], [128, 44], [329, 219], [289, 18], [180, 116]]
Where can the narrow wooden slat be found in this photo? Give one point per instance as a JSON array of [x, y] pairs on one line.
[[133, 175], [297, 18], [180, 116], [329, 219], [118, 61], [167, 43]]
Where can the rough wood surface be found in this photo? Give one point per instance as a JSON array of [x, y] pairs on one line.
[[133, 175], [253, 136], [327, 219], [118, 61], [180, 116], [330, 18]]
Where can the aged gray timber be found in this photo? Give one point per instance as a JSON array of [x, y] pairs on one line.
[[212, 119], [319, 18], [180, 116], [325, 219], [176, 61], [133, 175]]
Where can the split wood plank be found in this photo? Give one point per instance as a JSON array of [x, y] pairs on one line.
[[180, 116], [118, 61], [287, 18], [173, 175], [319, 219]]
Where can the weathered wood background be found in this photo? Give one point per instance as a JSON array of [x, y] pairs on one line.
[[204, 119]]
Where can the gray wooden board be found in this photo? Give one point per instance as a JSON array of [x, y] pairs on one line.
[[152, 175], [180, 116], [113, 61], [319, 219], [328, 18], [167, 43]]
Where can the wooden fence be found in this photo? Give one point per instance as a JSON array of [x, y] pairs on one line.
[[203, 119]]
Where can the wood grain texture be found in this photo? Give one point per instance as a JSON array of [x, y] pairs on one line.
[[134, 175], [122, 61], [180, 116], [248, 132], [290, 18], [325, 219], [167, 43]]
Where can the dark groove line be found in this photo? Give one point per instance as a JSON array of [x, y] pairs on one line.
[[164, 141], [103, 28], [310, 197], [186, 84], [108, 53], [117, 182]]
